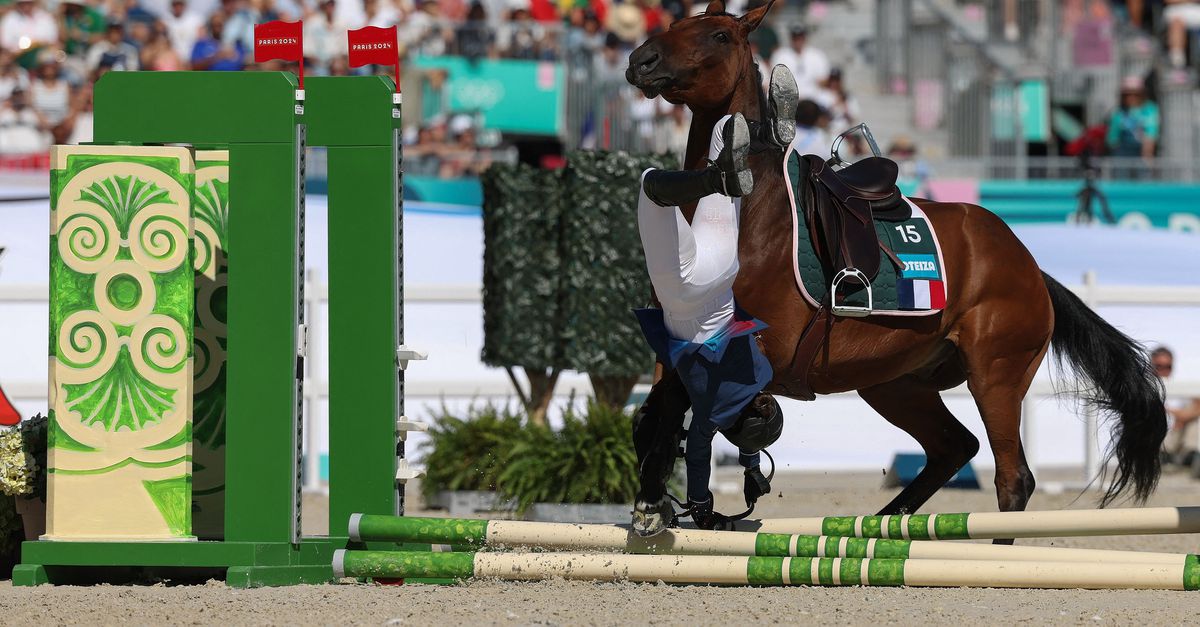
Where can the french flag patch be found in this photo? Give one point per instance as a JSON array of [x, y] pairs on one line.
[[921, 294]]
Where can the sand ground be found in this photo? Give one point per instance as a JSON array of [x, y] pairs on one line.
[[563, 602]]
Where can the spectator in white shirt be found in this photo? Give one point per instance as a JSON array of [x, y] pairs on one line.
[[22, 128], [12, 76], [842, 107], [183, 28], [113, 51], [809, 65], [28, 26]]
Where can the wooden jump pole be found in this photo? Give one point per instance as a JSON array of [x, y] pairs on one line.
[[708, 569], [989, 525], [571, 536]]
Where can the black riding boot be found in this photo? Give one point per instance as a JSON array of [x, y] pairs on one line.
[[729, 175], [783, 97]]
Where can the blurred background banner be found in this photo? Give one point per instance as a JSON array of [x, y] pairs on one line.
[[508, 95]]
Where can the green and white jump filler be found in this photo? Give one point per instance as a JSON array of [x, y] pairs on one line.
[[247, 131]]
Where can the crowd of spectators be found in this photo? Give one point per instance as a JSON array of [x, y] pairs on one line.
[[53, 51]]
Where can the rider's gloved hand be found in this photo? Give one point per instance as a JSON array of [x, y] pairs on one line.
[[756, 485]]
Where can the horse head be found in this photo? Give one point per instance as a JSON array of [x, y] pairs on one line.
[[700, 61]]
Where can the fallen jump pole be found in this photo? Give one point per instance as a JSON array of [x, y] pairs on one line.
[[990, 525], [708, 569], [571, 536]]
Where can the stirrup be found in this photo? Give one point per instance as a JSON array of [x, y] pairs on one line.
[[851, 311]]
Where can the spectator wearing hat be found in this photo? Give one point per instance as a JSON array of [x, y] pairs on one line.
[[1133, 129], [82, 26], [113, 51], [627, 22], [809, 65], [28, 27]]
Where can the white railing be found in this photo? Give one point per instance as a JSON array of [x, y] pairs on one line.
[[316, 389]]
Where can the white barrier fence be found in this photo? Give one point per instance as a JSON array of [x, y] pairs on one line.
[[317, 389]]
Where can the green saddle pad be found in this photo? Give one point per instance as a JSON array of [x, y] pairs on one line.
[[919, 289]]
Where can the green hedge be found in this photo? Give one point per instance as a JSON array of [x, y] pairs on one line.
[[563, 265]]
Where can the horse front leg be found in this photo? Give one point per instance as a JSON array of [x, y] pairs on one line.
[[657, 426]]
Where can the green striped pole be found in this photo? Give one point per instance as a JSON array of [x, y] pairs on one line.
[[989, 525], [571, 536], [711, 569]]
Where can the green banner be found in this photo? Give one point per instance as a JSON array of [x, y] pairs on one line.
[[1034, 103], [514, 96]]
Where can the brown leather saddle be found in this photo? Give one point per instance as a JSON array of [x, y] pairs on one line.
[[841, 207]]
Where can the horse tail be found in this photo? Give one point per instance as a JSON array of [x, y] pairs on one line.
[[1120, 382]]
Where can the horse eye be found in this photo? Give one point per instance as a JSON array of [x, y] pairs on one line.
[[722, 37]]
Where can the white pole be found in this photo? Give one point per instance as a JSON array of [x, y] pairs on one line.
[[312, 456], [1029, 432]]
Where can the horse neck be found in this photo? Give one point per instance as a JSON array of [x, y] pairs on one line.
[[746, 99]]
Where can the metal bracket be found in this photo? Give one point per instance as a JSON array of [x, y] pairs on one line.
[[404, 472], [404, 424], [404, 354], [851, 311]]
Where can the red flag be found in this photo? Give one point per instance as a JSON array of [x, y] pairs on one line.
[[373, 45], [280, 40], [8, 413]]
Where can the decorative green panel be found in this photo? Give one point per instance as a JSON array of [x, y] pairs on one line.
[[121, 304], [211, 206]]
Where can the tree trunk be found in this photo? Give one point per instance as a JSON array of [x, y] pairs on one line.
[[613, 392], [541, 392]]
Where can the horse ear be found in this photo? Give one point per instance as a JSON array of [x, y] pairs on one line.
[[716, 6], [753, 18]]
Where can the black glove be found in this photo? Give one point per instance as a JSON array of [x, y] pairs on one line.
[[756, 485]]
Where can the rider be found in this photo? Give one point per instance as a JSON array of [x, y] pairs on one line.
[[700, 331]]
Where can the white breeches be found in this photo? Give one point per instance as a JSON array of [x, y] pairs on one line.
[[693, 266]]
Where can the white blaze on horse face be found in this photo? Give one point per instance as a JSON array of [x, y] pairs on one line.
[[693, 266]]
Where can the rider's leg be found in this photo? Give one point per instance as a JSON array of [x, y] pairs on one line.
[[729, 175], [783, 96]]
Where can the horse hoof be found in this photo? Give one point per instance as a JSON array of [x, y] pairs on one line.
[[651, 519]]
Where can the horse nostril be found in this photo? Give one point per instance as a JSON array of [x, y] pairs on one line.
[[648, 64]]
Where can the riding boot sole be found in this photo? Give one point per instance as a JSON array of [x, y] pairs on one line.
[[735, 155], [783, 97]]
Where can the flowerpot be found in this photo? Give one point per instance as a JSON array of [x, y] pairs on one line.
[[33, 516]]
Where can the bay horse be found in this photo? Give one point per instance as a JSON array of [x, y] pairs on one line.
[[1002, 313]]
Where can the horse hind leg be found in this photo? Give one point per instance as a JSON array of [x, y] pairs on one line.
[[916, 406], [998, 390]]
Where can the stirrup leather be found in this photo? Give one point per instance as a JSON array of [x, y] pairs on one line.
[[850, 311]]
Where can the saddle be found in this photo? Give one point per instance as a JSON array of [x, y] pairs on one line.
[[842, 206]]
